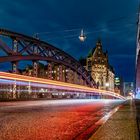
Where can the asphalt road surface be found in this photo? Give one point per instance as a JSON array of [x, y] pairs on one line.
[[52, 119]]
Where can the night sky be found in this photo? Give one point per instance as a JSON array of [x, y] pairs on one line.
[[114, 21]]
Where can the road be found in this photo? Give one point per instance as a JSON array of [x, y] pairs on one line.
[[52, 119]]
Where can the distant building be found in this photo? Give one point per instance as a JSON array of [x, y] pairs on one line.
[[119, 86], [98, 65], [54, 72], [128, 87]]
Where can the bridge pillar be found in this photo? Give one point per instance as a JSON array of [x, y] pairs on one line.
[[35, 68], [15, 67], [35, 63], [15, 50], [35, 50], [49, 71], [15, 46]]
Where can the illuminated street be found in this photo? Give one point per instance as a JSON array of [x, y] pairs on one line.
[[52, 119]]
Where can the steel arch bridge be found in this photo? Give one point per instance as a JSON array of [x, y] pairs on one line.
[[24, 47]]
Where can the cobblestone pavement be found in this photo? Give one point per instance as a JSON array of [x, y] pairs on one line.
[[50, 120], [137, 106], [121, 126]]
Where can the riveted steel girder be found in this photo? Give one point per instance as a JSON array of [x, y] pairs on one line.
[[35, 49]]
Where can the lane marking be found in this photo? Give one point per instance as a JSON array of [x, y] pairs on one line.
[[107, 116], [89, 132], [104, 120]]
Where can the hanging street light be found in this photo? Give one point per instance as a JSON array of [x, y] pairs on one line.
[[82, 37]]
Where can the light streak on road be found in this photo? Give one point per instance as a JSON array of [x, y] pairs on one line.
[[56, 84]]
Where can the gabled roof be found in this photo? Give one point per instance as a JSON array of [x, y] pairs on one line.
[[98, 51]]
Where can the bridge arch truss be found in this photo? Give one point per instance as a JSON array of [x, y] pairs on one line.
[[28, 48]]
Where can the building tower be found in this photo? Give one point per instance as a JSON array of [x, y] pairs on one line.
[[97, 64]]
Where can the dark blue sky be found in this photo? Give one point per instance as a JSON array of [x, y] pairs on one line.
[[114, 21]]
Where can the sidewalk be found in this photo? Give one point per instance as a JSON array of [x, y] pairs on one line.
[[121, 126]]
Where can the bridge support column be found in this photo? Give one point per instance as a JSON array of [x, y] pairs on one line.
[[15, 46], [15, 67], [49, 71], [35, 68], [15, 50], [35, 63], [35, 50]]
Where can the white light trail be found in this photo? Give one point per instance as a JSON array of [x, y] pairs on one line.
[[39, 82]]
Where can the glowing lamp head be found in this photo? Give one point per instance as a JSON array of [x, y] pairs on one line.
[[82, 37]]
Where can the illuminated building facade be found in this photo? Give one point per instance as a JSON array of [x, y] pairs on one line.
[[119, 85], [97, 64], [55, 72]]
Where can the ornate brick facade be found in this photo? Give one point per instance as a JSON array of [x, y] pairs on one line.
[[97, 64]]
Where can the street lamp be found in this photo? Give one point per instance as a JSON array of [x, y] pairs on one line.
[[82, 37]]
